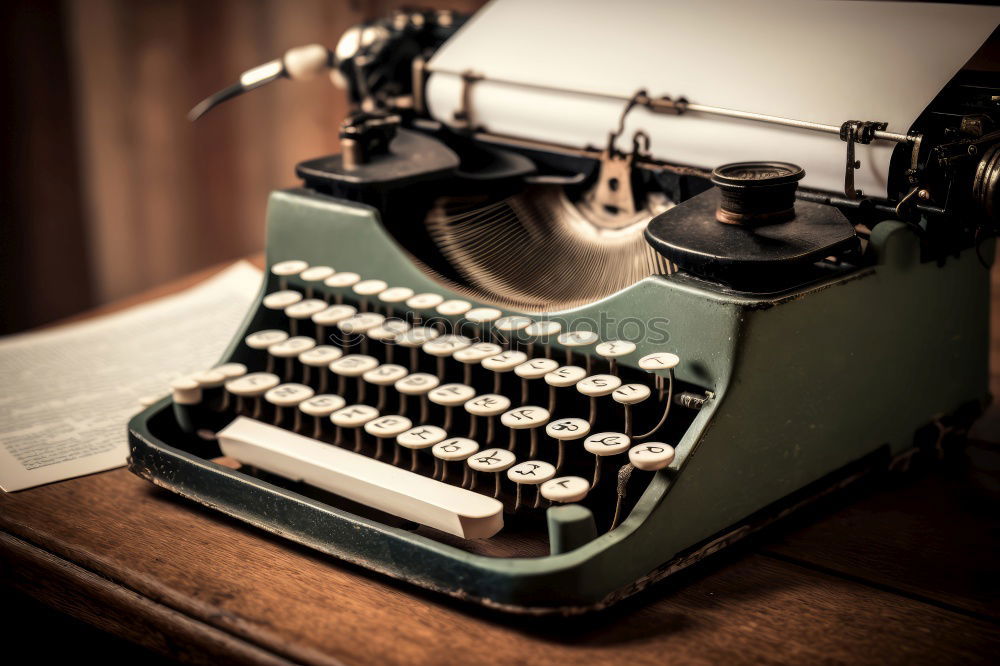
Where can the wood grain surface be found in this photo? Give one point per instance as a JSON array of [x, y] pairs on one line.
[[898, 571]]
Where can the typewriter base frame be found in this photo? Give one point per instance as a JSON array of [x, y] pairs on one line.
[[894, 325]]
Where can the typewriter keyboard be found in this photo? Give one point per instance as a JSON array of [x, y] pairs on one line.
[[437, 411]]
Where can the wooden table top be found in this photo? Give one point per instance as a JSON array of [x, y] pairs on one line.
[[899, 571]]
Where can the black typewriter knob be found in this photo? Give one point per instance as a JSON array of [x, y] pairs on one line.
[[753, 193]]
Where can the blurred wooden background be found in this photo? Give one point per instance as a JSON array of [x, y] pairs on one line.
[[108, 189]]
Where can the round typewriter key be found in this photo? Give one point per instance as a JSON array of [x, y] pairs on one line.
[[289, 267], [317, 360], [416, 336], [316, 273], [565, 489], [334, 315], [446, 345], [528, 417], [353, 365], [385, 427], [420, 437], [504, 361], [285, 269], [543, 329], [252, 385], [291, 347], [232, 370], [565, 375], [566, 430], [424, 301], [493, 461], [490, 404], [361, 322], [389, 330], [659, 361], [451, 395], [209, 378], [288, 395], [630, 394], [535, 368], [605, 444], [615, 348], [577, 338], [385, 374], [279, 300], [305, 309], [598, 385], [369, 287], [395, 294], [452, 450], [354, 417], [509, 326], [320, 407], [185, 391], [264, 339], [454, 308], [342, 280], [477, 352], [530, 472], [483, 315], [651, 456], [418, 383]]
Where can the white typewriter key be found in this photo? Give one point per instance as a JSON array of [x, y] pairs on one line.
[[493, 461], [414, 339], [566, 430], [354, 417], [651, 456], [252, 385], [489, 406], [370, 287], [613, 350], [288, 395], [279, 300], [453, 307], [605, 444], [418, 383], [474, 355], [536, 368], [264, 339], [443, 347], [303, 310], [285, 269], [576, 339], [565, 489], [529, 417], [353, 365], [185, 391], [289, 267], [331, 316], [320, 407], [565, 375], [289, 350], [483, 315], [420, 437], [377, 484], [508, 328], [628, 395], [451, 450], [542, 332], [385, 427], [501, 363], [598, 385], [424, 301], [395, 294], [340, 282], [530, 473], [315, 274], [317, 360], [230, 371], [361, 322], [389, 330], [209, 379], [384, 376], [450, 396], [659, 361]]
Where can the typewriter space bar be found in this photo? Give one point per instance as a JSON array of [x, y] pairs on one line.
[[362, 479]]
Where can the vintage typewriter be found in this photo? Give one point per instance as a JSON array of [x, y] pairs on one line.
[[540, 336]]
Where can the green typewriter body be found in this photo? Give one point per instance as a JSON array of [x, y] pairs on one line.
[[473, 366]]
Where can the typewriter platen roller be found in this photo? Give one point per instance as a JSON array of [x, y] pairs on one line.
[[508, 353]]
